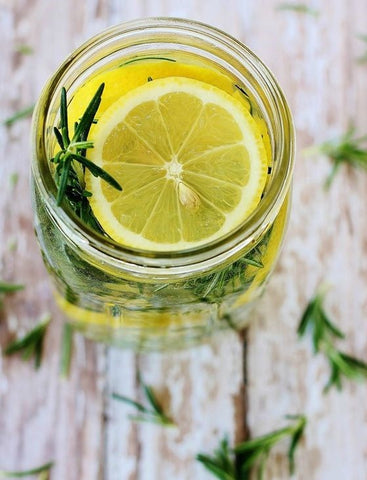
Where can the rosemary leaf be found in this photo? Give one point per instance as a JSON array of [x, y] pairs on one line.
[[323, 332], [96, 170], [152, 414], [83, 127], [33, 471], [13, 179], [362, 58], [32, 343], [19, 115], [348, 149], [299, 8], [10, 287], [66, 349], [24, 49], [64, 117]]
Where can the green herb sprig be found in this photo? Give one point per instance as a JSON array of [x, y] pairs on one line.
[[348, 149], [42, 472], [19, 115], [251, 455], [31, 345], [6, 288], [153, 414], [363, 58], [66, 349], [211, 288], [69, 180], [299, 8], [24, 49], [324, 332]]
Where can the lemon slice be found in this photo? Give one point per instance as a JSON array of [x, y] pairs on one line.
[[190, 159]]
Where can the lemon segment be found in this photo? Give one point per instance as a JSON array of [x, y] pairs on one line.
[[191, 161]]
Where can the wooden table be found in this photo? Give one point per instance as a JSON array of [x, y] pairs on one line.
[[223, 387]]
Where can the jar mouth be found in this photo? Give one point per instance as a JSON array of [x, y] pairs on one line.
[[269, 97]]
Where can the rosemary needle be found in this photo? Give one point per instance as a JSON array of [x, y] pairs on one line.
[[298, 8], [31, 345], [153, 414], [19, 115], [33, 471]]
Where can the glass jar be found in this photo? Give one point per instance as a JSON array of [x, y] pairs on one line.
[[162, 300]]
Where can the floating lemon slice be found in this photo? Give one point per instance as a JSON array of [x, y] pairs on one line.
[[191, 161]]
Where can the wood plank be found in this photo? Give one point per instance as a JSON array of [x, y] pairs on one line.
[[314, 60]]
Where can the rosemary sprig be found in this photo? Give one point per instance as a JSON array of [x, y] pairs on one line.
[[251, 455], [299, 8], [33, 471], [6, 288], [13, 179], [66, 349], [19, 115], [212, 287], [153, 414], [348, 149], [24, 49], [222, 463], [31, 345], [72, 152], [362, 58], [324, 332]]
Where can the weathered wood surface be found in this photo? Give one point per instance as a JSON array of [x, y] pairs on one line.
[[74, 421]]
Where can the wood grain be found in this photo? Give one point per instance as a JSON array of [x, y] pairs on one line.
[[74, 421]]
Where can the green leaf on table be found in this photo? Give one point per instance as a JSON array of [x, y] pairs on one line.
[[362, 58], [33, 471], [6, 288], [251, 456], [347, 149], [13, 179], [31, 345], [19, 115], [324, 332], [151, 414], [24, 49], [298, 8]]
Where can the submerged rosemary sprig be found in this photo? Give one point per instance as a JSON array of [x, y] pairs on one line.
[[324, 332], [347, 149], [40, 471], [69, 179], [299, 8], [251, 455], [31, 345], [153, 414], [66, 349], [212, 287]]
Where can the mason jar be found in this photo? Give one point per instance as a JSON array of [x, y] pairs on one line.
[[151, 300]]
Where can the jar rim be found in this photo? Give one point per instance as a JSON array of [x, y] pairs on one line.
[[225, 247]]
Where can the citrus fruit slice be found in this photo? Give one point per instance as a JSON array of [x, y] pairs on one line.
[[190, 159]]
